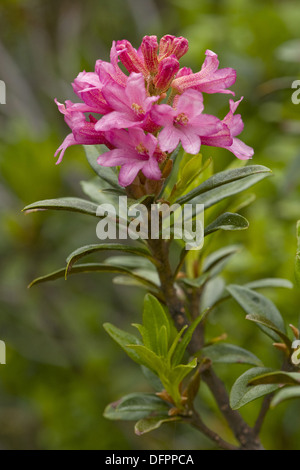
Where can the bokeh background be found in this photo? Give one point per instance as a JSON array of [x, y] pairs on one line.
[[62, 368]]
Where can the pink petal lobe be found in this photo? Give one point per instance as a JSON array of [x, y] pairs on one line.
[[168, 139], [190, 142], [128, 172], [190, 103], [241, 150]]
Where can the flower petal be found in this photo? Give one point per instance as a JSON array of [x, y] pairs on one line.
[[135, 89], [151, 169], [114, 157], [190, 103], [116, 120], [241, 150], [128, 172], [190, 141], [168, 138], [69, 140]]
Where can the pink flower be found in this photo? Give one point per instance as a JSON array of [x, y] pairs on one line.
[[83, 132], [85, 80], [108, 71], [134, 152], [209, 79], [185, 123], [131, 104], [226, 139], [87, 87]]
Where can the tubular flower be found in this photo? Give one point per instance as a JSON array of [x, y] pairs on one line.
[[83, 131], [233, 126], [210, 79]]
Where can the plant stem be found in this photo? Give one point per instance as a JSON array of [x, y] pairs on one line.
[[197, 423], [264, 409], [242, 431]]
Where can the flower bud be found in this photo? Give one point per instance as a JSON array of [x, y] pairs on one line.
[[167, 68], [129, 57], [149, 49], [172, 45]]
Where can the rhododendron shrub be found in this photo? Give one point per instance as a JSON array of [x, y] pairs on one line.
[[141, 118]]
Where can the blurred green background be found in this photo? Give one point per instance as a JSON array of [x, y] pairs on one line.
[[62, 369]]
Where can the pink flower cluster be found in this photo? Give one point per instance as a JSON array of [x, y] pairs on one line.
[[143, 116]]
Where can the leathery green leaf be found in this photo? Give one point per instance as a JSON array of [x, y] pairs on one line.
[[150, 424], [241, 393]]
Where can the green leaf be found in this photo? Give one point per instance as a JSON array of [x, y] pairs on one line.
[[227, 221], [213, 292], [260, 308], [108, 174], [162, 340], [133, 282], [178, 373], [154, 318], [91, 249], [136, 406], [230, 354], [190, 169], [241, 393], [172, 377], [277, 377], [216, 261], [152, 378], [150, 424], [269, 282], [175, 343], [73, 204], [123, 339], [268, 327], [286, 393], [181, 348], [91, 267], [148, 358], [130, 262], [148, 274], [195, 282], [98, 192], [225, 184]]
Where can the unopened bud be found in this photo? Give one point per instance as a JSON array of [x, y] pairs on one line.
[[281, 347], [129, 57], [169, 45], [167, 68], [295, 331], [149, 49], [165, 396]]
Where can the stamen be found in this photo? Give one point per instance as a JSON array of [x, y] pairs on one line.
[[137, 109], [141, 149], [181, 119]]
